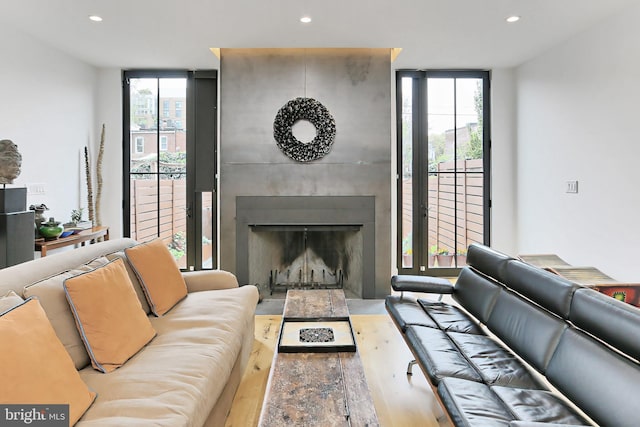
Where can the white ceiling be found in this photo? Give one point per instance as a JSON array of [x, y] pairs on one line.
[[178, 34]]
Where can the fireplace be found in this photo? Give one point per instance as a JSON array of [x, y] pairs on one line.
[[286, 257], [306, 242]]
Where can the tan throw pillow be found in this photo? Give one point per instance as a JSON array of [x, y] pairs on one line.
[[159, 275], [108, 315], [134, 279], [53, 300], [34, 366], [10, 300]]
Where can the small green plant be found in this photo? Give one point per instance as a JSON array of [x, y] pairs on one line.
[[177, 245], [433, 250], [407, 244], [443, 251], [76, 215], [461, 252]]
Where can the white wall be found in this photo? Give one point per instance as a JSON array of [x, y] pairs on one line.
[[109, 112], [503, 159], [577, 120], [47, 109]]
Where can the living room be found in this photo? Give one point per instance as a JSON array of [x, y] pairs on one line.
[[564, 89], [540, 105]]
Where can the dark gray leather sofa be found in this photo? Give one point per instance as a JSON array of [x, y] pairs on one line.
[[550, 330]]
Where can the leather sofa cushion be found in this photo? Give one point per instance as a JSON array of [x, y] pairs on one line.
[[495, 364], [473, 404], [488, 260], [450, 318], [604, 384], [607, 318], [543, 287], [438, 355], [538, 406], [528, 330], [476, 404], [476, 293], [406, 311], [181, 374]]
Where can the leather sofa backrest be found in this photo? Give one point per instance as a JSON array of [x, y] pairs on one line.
[[543, 287], [603, 383], [533, 333], [612, 321], [476, 293], [488, 261]]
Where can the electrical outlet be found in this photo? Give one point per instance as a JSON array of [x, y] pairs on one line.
[[39, 189], [572, 186]]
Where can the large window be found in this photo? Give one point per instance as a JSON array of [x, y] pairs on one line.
[[443, 164], [170, 164]]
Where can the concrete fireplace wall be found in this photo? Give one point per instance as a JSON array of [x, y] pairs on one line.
[[354, 85]]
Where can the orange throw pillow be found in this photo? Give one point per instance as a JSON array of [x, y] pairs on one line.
[[159, 275], [108, 315], [34, 366]]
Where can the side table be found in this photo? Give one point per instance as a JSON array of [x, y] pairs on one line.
[[88, 235]]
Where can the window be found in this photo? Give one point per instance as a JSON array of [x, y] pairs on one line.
[[169, 180], [139, 145], [179, 108], [443, 164]]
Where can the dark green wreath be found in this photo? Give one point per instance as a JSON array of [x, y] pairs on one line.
[[317, 114]]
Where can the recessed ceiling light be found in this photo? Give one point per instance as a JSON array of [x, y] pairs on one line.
[[305, 19], [95, 18], [513, 18]]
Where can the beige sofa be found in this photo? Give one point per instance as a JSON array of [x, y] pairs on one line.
[[187, 375]]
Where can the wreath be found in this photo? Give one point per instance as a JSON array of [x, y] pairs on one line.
[[317, 114]]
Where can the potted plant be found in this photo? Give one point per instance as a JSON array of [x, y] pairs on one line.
[[461, 257], [407, 251], [444, 258], [433, 251]]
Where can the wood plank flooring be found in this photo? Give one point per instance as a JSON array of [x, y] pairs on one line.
[[400, 401]]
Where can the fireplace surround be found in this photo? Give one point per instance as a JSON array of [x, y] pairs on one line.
[[255, 213]]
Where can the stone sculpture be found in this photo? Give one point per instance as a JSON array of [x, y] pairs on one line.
[[10, 161]]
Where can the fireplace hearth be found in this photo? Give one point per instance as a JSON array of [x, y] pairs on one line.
[[306, 257], [306, 242]]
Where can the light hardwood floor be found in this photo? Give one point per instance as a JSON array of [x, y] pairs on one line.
[[400, 401]]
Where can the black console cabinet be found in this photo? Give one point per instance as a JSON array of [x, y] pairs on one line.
[[16, 227]]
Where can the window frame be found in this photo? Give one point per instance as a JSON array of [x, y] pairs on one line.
[[420, 134]]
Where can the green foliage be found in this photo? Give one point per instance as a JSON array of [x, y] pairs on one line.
[[407, 244], [177, 247], [76, 215], [437, 152]]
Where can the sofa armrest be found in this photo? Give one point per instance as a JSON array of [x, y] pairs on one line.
[[427, 284], [209, 280]]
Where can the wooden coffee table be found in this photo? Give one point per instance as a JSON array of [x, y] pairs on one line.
[[325, 388]]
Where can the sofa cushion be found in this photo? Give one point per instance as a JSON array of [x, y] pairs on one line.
[[108, 315], [543, 287], [10, 300], [438, 355], [496, 364], [179, 376], [471, 403], [527, 329], [51, 295], [450, 318], [406, 311], [607, 318], [538, 406], [134, 279], [487, 260], [34, 365], [476, 293], [159, 275], [602, 383]]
